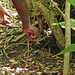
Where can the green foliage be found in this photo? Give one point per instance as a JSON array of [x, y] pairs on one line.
[[72, 22], [49, 14], [34, 3], [70, 48], [72, 2], [44, 2]]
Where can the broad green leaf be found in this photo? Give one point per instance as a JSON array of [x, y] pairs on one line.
[[72, 22], [72, 2], [70, 48]]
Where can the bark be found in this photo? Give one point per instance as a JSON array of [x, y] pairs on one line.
[[49, 17], [67, 38]]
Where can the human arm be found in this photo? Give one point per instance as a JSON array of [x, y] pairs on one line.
[[22, 9], [3, 19]]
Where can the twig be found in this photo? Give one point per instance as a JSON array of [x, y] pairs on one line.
[[19, 37], [3, 26], [5, 54], [15, 45], [9, 46], [28, 47], [58, 9], [27, 52]]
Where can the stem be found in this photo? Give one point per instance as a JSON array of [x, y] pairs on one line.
[[28, 48], [67, 38], [58, 9]]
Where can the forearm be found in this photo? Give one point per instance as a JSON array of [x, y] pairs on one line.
[[1, 8], [22, 9]]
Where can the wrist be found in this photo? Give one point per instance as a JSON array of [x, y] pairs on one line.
[[26, 26], [26, 23]]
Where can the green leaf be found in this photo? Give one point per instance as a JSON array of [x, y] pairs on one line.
[[72, 2], [46, 68], [70, 48], [72, 22]]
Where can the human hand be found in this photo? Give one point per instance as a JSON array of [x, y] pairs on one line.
[[3, 19], [31, 32]]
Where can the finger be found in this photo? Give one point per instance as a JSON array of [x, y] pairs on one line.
[[8, 23], [26, 33], [6, 13], [31, 39], [34, 34]]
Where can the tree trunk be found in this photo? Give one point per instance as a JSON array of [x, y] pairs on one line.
[[49, 17], [67, 38]]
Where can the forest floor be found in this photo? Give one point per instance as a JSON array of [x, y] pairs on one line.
[[19, 56]]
